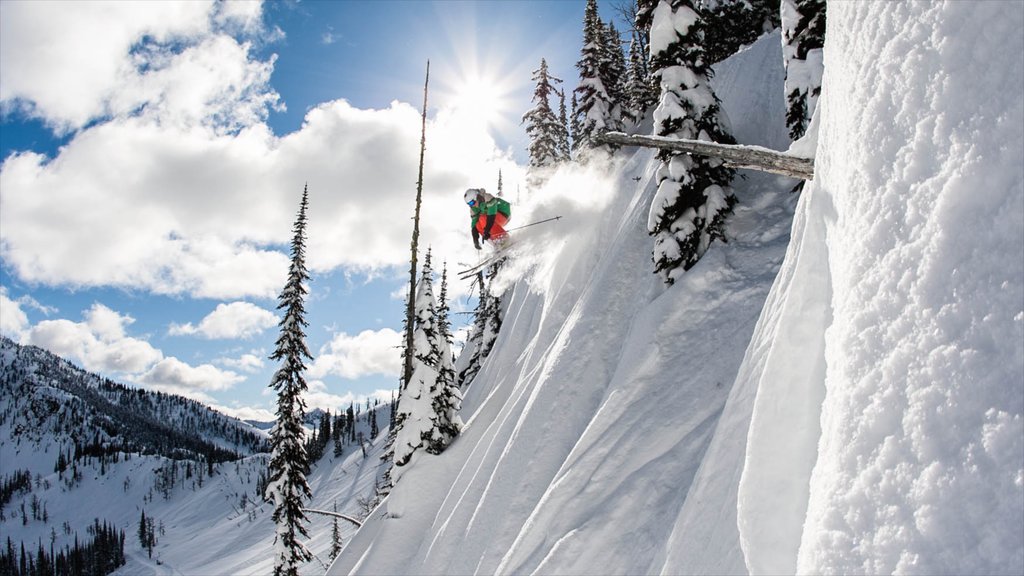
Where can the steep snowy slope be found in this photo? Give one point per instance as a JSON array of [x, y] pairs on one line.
[[888, 428], [590, 419]]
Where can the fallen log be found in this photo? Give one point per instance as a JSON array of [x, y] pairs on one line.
[[733, 155]]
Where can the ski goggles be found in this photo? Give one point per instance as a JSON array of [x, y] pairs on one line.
[[471, 203]]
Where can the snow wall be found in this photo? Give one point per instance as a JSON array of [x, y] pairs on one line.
[[887, 432], [864, 415]]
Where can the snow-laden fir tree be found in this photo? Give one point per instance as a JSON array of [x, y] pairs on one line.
[[542, 126], [472, 348], [596, 110], [483, 332], [420, 423], [447, 398], [803, 41], [614, 72], [287, 488], [564, 144], [693, 196], [640, 92]]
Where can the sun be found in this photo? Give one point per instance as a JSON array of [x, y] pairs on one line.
[[479, 99]]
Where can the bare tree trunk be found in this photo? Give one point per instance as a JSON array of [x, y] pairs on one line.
[[735, 156], [410, 310]]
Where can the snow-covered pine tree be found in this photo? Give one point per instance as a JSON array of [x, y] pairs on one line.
[[287, 488], [597, 111], [336, 542], [476, 332], [417, 420], [639, 93], [447, 397], [614, 72], [564, 144], [491, 313], [693, 198], [803, 41], [542, 127]]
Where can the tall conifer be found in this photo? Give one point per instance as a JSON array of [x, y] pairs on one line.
[[287, 488], [542, 126]]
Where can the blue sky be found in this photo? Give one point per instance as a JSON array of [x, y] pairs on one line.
[[154, 154]]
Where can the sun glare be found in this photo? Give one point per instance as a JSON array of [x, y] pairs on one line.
[[479, 100]]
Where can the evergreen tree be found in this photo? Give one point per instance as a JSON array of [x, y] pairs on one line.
[[415, 405], [639, 95], [287, 488], [614, 70], [474, 340], [693, 197], [803, 41], [542, 126], [564, 145], [336, 541], [447, 397], [597, 109]]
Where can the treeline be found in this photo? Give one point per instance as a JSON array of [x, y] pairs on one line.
[[102, 554], [343, 430]]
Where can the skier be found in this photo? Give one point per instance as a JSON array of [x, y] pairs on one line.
[[488, 214]]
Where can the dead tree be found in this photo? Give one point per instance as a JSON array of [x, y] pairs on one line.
[[733, 155]]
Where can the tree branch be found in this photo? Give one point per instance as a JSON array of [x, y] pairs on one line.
[[335, 514], [733, 155]]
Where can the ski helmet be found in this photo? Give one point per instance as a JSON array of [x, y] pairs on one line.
[[471, 195]]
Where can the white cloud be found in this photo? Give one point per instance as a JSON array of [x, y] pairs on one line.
[[246, 412], [234, 320], [171, 374], [144, 206], [369, 352], [99, 343], [13, 321], [250, 363], [73, 62]]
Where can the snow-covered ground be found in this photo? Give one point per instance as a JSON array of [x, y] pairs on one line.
[[865, 415]]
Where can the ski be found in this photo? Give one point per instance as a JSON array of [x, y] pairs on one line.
[[498, 255], [500, 252]]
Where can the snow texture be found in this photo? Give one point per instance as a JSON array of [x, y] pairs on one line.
[[887, 429]]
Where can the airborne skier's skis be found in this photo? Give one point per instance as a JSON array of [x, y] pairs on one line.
[[496, 256], [500, 252]]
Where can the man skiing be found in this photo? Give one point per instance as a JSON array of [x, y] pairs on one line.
[[488, 215]]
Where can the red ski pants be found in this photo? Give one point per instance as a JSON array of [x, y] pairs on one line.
[[497, 230]]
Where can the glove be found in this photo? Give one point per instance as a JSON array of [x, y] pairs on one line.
[[476, 243], [487, 236]]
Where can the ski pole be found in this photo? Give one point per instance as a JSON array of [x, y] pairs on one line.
[[533, 224]]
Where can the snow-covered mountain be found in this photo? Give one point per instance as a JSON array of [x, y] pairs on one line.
[[77, 449], [839, 389], [50, 405]]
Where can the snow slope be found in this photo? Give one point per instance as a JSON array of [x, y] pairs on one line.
[[866, 415], [897, 443], [592, 416]]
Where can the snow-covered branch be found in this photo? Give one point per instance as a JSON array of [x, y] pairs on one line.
[[736, 156], [336, 515]]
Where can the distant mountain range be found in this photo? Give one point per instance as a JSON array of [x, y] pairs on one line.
[[46, 399]]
